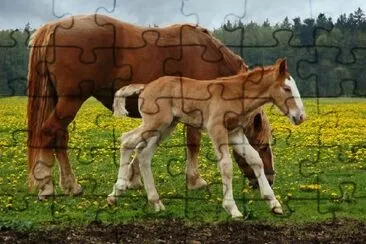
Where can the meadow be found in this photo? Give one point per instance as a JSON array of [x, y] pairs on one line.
[[320, 170]]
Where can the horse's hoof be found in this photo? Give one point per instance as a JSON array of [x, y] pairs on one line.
[[111, 200], [199, 183], [277, 211], [77, 190]]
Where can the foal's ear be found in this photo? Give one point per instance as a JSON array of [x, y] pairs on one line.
[[281, 64]]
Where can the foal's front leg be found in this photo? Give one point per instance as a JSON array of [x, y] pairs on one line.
[[219, 138], [242, 147]]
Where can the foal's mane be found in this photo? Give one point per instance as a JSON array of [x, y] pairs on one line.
[[261, 71]]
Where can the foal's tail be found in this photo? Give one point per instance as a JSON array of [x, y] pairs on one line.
[[41, 94], [119, 103]]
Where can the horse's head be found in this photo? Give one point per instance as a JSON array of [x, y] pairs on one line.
[[285, 94]]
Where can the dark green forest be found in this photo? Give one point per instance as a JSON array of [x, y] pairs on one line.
[[326, 56]]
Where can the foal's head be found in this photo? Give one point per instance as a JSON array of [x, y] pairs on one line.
[[285, 94]]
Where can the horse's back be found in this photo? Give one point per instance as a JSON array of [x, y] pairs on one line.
[[95, 55]]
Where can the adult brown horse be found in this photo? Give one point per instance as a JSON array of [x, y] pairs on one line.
[[82, 56]]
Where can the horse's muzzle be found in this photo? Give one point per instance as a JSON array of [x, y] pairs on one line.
[[253, 182], [299, 119]]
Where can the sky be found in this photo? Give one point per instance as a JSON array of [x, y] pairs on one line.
[[208, 13]]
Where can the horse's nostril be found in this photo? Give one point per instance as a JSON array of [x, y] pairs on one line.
[[302, 117], [254, 184], [294, 119]]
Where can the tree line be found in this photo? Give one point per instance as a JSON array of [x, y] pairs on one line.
[[325, 56]]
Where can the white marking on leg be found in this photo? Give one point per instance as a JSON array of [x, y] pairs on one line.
[[42, 173], [144, 156], [226, 169], [134, 176], [128, 143], [241, 146]]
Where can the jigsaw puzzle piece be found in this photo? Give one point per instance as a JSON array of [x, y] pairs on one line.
[[63, 8], [341, 194], [12, 72], [89, 50]]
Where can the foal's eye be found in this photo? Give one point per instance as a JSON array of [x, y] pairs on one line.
[[287, 88]]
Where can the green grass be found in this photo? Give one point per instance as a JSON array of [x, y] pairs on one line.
[[320, 169]]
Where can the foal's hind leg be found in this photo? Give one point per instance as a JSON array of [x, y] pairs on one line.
[[144, 155], [194, 179], [241, 146], [134, 167], [134, 174], [129, 141]]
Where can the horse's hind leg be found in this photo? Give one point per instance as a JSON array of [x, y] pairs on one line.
[[194, 179], [64, 114], [54, 138], [243, 148], [41, 172]]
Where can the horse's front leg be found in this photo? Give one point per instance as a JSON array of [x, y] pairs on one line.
[[194, 179], [241, 146]]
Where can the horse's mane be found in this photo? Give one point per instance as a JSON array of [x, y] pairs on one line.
[[235, 62]]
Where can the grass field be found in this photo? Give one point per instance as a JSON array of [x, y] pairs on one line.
[[320, 167]]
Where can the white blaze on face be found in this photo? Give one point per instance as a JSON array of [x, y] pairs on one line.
[[295, 92]]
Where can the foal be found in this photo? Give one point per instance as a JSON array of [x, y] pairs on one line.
[[218, 106]]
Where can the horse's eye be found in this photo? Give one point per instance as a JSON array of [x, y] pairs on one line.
[[287, 88]]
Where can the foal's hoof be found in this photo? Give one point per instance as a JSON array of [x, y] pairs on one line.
[[237, 215], [44, 197], [159, 206], [135, 184], [111, 200], [277, 211]]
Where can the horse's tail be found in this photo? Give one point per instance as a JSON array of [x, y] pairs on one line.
[[119, 103], [41, 94]]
